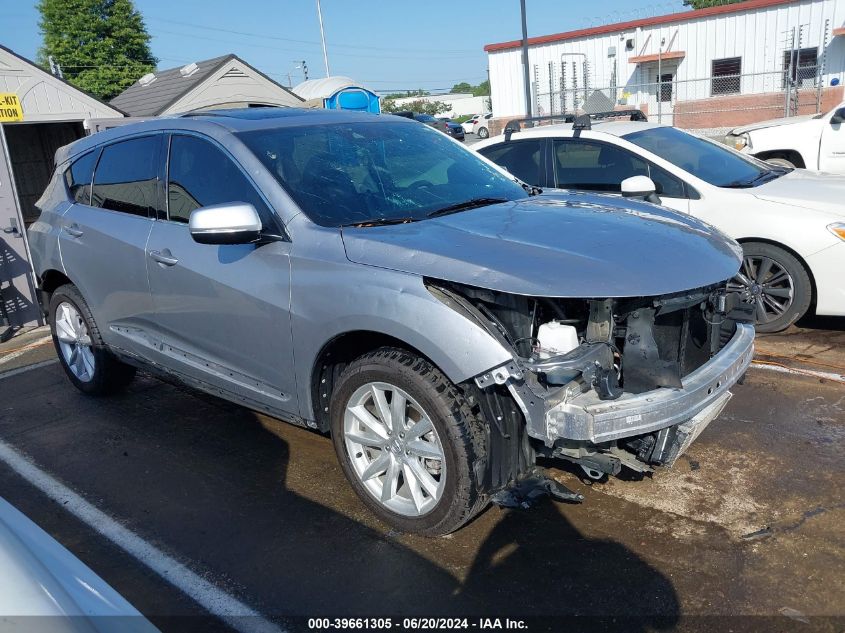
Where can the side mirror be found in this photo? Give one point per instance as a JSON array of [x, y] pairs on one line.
[[640, 187], [838, 117], [231, 223]]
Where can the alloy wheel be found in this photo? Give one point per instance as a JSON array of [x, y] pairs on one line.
[[394, 449], [74, 341], [765, 283]]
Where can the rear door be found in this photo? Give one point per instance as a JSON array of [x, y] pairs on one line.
[[524, 158], [104, 235], [222, 311]]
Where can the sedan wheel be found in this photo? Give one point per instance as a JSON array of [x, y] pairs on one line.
[[394, 449], [776, 283], [74, 342]]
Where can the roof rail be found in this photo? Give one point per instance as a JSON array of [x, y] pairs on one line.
[[580, 122]]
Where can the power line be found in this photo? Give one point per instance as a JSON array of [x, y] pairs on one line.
[[314, 42]]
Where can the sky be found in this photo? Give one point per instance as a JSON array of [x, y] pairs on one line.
[[388, 45]]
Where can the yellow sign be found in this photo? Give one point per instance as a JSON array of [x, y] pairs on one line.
[[10, 107]]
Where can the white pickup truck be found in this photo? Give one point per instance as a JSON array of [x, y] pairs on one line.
[[812, 141]]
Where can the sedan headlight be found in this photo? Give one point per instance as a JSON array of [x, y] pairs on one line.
[[838, 229]]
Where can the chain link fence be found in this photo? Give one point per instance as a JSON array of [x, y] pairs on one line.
[[714, 103]]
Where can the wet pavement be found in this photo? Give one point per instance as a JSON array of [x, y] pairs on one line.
[[748, 528]]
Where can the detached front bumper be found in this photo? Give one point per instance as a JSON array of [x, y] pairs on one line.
[[585, 417]]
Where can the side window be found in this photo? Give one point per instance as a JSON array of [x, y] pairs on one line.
[[126, 179], [666, 184], [200, 175], [524, 159], [584, 164], [79, 175]]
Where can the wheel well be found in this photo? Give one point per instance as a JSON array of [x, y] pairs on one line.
[[747, 240], [52, 279], [333, 359], [791, 155]]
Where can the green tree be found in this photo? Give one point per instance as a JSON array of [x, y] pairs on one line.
[[102, 46], [703, 4], [420, 105], [462, 87], [482, 89]]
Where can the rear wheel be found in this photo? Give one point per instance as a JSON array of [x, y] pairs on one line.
[[781, 162], [776, 283], [483, 132], [407, 442], [86, 360]]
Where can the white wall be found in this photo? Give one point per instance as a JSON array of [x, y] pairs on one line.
[[758, 36]]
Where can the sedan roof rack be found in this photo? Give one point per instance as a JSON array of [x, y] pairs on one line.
[[580, 122]]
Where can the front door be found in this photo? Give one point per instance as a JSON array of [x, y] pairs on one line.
[[832, 149], [222, 311]]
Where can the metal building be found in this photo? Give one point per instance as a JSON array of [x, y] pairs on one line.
[[716, 67], [47, 113]]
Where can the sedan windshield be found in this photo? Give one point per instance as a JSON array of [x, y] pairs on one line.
[[705, 159], [377, 172]]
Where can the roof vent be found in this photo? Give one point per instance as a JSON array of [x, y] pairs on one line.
[[147, 79], [190, 69]]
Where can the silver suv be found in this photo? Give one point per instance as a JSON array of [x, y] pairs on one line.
[[369, 278]]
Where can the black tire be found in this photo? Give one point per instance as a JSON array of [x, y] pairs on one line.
[[110, 375], [781, 162], [483, 132], [802, 286], [460, 431]]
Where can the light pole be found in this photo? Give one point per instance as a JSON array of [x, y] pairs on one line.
[[525, 74], [323, 38]]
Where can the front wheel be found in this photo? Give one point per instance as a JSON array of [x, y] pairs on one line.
[[407, 442], [776, 283], [86, 360]]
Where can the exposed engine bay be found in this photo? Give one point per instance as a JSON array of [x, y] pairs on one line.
[[578, 362]]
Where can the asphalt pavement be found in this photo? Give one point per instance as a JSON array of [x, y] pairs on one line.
[[744, 533]]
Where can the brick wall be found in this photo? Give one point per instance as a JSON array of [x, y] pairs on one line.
[[734, 110]]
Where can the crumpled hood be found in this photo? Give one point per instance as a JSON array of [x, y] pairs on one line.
[[772, 123], [575, 245], [808, 190]]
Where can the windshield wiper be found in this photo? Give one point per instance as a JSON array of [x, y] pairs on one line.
[[379, 222], [743, 184], [463, 206]]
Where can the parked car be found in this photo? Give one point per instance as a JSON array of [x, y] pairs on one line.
[[482, 126], [43, 582], [454, 130], [791, 223], [366, 277], [811, 141], [469, 124], [432, 121]]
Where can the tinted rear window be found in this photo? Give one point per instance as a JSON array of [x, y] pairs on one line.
[[78, 177], [127, 177]]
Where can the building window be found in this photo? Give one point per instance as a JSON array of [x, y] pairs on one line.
[[666, 87], [803, 65], [726, 76]]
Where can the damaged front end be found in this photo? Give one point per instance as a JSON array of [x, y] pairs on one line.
[[604, 383]]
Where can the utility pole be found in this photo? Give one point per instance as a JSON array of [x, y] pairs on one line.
[[525, 75], [323, 38]]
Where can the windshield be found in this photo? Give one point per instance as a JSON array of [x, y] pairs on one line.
[[703, 158], [372, 172]]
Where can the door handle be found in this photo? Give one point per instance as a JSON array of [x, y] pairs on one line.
[[165, 259], [73, 230]]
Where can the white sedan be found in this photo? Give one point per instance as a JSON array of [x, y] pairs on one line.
[[790, 222]]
